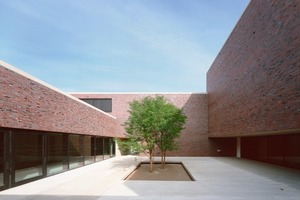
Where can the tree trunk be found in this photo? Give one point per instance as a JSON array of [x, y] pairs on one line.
[[151, 161], [163, 160]]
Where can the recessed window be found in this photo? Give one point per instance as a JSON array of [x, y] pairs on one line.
[[103, 104]]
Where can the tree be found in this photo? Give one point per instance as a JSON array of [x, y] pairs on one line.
[[153, 122], [170, 130]]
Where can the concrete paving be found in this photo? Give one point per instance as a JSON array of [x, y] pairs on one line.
[[216, 178]]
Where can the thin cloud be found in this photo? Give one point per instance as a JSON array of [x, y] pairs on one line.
[[128, 45]]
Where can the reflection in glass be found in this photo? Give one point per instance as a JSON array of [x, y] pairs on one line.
[[1, 159], [75, 151], [99, 149], [28, 156], [56, 153], [107, 148], [113, 148], [88, 150]]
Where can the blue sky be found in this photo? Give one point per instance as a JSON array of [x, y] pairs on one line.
[[117, 45]]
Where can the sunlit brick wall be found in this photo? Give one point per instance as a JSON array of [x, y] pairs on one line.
[[193, 140], [254, 83], [25, 103]]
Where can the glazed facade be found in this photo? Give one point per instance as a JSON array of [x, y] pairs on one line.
[[44, 131]]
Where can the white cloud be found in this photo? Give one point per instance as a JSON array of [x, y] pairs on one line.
[[143, 45]]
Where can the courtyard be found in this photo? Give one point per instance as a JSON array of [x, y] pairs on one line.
[[215, 178]]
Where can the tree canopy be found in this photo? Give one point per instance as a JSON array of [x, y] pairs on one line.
[[154, 122]]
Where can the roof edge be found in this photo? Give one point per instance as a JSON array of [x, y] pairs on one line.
[[22, 73], [137, 92]]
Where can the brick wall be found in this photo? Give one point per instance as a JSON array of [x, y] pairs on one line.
[[193, 141], [254, 83], [26, 103]]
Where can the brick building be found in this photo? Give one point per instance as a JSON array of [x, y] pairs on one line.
[[194, 140], [251, 108], [44, 131], [253, 85]]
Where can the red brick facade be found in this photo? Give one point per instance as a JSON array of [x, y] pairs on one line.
[[254, 83], [253, 88], [25, 103], [193, 140]]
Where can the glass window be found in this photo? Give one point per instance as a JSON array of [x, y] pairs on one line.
[[99, 148], [107, 148], [88, 150], [102, 104], [28, 155], [113, 148], [75, 151], [1, 159], [57, 153]]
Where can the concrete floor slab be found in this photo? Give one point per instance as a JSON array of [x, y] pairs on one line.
[[216, 178]]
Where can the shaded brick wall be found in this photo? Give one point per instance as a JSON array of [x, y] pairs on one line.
[[194, 139], [28, 104], [254, 83]]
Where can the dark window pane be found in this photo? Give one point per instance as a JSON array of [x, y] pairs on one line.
[[88, 150], [75, 151], [113, 148], [99, 149], [103, 104], [89, 101], [1, 159], [107, 148], [57, 153], [28, 155]]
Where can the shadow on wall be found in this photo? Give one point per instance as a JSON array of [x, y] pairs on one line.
[[222, 146], [193, 140]]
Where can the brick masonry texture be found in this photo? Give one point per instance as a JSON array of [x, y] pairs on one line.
[[27, 104], [194, 140], [254, 83]]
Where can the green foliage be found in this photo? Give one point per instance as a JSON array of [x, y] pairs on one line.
[[127, 147], [153, 122]]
